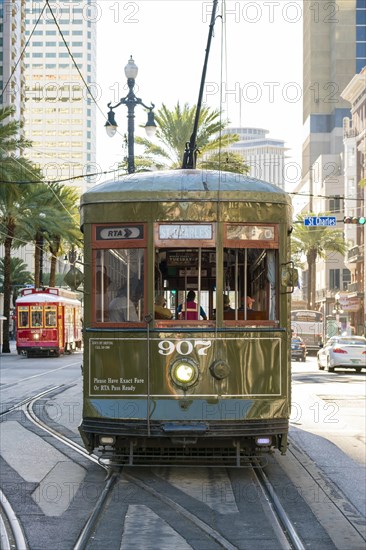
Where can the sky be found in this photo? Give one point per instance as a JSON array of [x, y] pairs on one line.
[[256, 55]]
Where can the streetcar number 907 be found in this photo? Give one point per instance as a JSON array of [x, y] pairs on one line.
[[184, 347]]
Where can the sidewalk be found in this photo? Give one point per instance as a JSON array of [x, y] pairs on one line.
[[13, 348]]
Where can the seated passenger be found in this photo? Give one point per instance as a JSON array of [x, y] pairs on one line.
[[160, 309], [229, 312], [121, 309], [189, 310], [250, 302]]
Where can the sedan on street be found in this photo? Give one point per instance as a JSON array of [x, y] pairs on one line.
[[346, 352]]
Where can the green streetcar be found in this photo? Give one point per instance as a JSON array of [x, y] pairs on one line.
[[209, 381]]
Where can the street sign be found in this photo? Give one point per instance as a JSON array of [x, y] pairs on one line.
[[325, 221]]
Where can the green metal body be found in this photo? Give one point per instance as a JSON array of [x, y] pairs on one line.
[[128, 390]]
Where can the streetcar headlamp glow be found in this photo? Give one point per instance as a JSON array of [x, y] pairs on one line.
[[107, 440], [264, 441], [184, 372], [36, 336]]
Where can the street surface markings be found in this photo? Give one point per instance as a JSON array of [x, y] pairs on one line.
[[66, 408], [43, 464], [145, 529], [56, 491], [208, 485], [41, 456]]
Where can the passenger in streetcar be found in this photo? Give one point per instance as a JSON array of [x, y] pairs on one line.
[[189, 310], [160, 309], [121, 308], [227, 306]]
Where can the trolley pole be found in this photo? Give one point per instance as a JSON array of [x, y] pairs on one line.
[[130, 101]]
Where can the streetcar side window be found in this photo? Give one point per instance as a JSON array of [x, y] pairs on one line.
[[23, 317], [50, 316], [36, 316], [119, 281], [250, 279]]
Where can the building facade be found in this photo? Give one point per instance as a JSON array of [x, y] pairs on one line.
[[265, 156], [334, 50], [60, 74], [12, 41], [355, 201]]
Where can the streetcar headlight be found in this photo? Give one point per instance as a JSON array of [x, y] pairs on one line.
[[36, 336], [184, 372], [263, 441], [107, 440]]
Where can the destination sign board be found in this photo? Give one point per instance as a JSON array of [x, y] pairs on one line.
[[325, 221], [185, 231]]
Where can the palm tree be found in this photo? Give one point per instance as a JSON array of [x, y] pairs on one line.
[[174, 131], [14, 169], [315, 242], [229, 161], [51, 219], [19, 275]]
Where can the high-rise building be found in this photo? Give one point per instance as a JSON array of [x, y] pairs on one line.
[[334, 49], [355, 205], [60, 77], [12, 40], [329, 54], [265, 156]]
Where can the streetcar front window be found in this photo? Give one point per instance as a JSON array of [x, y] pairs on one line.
[[184, 283], [36, 316], [119, 285], [23, 317]]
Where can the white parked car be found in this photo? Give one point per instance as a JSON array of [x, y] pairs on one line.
[[343, 351]]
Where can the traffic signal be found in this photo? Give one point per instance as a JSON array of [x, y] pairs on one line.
[[357, 221]]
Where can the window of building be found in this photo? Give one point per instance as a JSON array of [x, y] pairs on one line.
[[335, 204], [334, 279], [346, 278]]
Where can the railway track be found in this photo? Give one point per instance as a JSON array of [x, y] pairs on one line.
[[281, 527], [189, 520]]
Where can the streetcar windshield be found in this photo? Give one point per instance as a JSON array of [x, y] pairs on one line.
[[36, 316], [194, 279]]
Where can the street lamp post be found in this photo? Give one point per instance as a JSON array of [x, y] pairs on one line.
[[130, 101], [337, 310]]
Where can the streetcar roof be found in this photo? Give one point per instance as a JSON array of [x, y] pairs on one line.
[[179, 184], [43, 298]]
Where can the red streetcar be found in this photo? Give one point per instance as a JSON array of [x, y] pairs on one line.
[[49, 322]]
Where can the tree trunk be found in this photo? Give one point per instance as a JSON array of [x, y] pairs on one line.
[[37, 260], [54, 250], [7, 288]]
